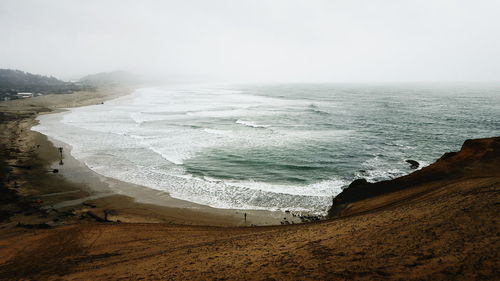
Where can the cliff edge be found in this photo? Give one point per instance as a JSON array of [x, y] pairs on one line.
[[476, 158]]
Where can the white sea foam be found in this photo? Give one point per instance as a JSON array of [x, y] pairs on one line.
[[324, 188], [130, 138], [251, 124], [151, 136], [217, 132]]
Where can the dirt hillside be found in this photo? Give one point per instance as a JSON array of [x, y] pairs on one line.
[[440, 228]]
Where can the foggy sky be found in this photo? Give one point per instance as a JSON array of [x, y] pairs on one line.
[[255, 40]]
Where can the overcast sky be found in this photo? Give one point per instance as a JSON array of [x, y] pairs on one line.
[[268, 40]]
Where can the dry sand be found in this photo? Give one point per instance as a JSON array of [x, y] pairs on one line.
[[438, 229]]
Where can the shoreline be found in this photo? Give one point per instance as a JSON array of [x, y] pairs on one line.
[[108, 193], [442, 225], [80, 187], [439, 228]]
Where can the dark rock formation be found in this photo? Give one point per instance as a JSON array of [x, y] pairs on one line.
[[414, 164], [448, 154], [357, 183], [356, 190]]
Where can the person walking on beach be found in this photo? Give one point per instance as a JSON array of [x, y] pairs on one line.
[[245, 216]]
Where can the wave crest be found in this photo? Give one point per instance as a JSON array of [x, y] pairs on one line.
[[251, 124]]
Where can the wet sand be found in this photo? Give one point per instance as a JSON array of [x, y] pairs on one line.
[[134, 203]]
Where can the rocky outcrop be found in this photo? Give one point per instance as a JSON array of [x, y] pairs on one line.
[[476, 158], [413, 164], [358, 183]]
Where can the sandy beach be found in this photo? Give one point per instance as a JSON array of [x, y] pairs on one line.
[[442, 225], [249, 140], [75, 187]]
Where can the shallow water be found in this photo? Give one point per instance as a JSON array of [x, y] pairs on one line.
[[291, 146]]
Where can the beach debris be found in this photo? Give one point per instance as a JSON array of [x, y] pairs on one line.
[[310, 218], [34, 226], [108, 212], [413, 164], [96, 217], [70, 213], [36, 201], [89, 205], [21, 167]]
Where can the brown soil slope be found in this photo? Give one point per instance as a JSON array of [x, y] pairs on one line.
[[477, 158], [442, 227]]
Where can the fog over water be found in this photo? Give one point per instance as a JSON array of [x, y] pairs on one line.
[[255, 41]]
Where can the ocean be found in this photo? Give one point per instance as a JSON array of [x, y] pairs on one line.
[[273, 146]]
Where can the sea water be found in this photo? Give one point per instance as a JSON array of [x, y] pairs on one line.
[[274, 147]]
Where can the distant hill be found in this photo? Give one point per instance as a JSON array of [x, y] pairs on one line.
[[20, 81], [14, 82], [110, 78]]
